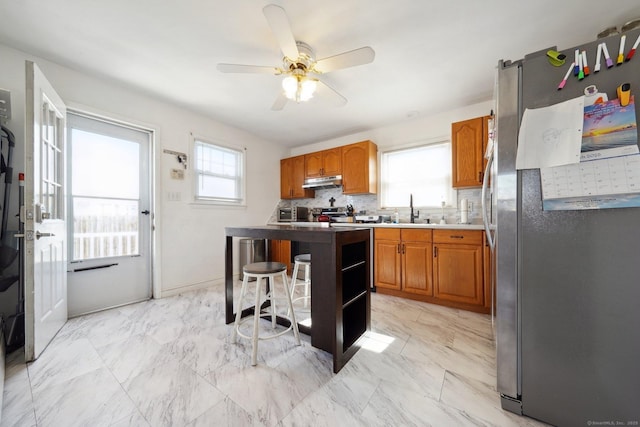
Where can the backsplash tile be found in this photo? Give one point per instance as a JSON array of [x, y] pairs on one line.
[[367, 204]]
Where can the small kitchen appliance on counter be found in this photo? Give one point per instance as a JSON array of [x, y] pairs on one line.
[[293, 214], [368, 219]]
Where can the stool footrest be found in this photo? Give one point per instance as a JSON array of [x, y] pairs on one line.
[[270, 271], [262, 337]]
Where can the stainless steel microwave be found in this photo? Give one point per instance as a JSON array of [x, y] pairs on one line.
[[295, 214]]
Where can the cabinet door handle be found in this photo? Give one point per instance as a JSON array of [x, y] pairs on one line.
[[435, 251], [456, 237], [480, 176], [398, 247], [403, 248]]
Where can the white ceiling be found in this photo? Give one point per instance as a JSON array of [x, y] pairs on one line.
[[430, 55]]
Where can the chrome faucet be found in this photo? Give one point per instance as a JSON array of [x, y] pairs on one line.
[[412, 217]]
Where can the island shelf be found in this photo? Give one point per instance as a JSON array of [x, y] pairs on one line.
[[340, 292]]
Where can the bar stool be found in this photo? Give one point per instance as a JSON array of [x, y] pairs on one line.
[[268, 271], [305, 261]]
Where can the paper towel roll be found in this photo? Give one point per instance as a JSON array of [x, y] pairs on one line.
[[464, 211]]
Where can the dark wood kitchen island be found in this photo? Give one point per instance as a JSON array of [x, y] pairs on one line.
[[340, 292]]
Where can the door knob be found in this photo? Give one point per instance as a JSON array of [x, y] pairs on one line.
[[39, 234], [145, 212]]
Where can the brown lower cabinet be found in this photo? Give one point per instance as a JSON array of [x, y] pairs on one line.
[[403, 260], [442, 266], [458, 270], [280, 251]]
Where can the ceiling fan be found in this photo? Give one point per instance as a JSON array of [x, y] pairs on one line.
[[300, 67]]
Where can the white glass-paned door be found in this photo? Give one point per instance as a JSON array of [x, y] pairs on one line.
[[110, 212]]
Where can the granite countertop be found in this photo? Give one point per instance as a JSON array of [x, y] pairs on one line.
[[381, 225]]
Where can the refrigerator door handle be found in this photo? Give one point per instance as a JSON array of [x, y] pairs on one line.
[[485, 216]]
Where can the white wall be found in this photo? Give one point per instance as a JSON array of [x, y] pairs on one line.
[[417, 130], [190, 237]]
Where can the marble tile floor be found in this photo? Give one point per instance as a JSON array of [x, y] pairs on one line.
[[170, 362]]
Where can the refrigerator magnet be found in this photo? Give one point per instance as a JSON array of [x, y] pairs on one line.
[[556, 58], [624, 94]]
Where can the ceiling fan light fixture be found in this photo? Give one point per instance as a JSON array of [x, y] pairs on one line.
[[307, 89], [299, 61], [290, 86], [299, 88]]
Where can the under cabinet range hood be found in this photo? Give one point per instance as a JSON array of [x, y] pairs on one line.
[[323, 182]]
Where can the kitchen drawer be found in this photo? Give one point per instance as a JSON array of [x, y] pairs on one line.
[[466, 237], [415, 235], [387, 233]]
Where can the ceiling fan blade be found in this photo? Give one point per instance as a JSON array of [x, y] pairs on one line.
[[281, 28], [239, 68], [364, 55], [280, 102], [330, 92]]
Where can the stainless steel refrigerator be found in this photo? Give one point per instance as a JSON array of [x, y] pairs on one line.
[[568, 281]]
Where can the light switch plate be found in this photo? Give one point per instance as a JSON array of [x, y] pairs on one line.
[[174, 196]]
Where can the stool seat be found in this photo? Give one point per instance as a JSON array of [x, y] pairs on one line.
[[269, 267], [302, 258]]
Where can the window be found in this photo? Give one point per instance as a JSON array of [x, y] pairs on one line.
[[109, 187], [424, 172], [219, 173]]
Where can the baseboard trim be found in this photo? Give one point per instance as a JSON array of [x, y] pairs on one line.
[[193, 287]]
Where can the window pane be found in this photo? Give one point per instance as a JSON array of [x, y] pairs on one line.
[[104, 228], [51, 162], [219, 172], [216, 187], [104, 166], [423, 171]]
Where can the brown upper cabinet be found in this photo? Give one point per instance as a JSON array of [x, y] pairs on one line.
[[323, 163], [359, 168], [468, 143], [292, 178]]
